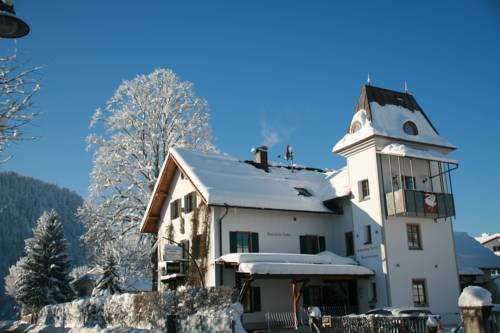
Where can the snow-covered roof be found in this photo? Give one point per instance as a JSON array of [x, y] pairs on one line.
[[325, 257], [472, 256], [324, 263], [486, 238], [383, 112], [264, 268], [403, 150], [223, 179]]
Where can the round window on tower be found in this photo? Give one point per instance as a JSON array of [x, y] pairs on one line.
[[410, 128], [356, 126]]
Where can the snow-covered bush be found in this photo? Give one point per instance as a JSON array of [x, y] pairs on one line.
[[203, 310]]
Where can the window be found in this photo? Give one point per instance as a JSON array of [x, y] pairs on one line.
[[196, 248], [312, 296], [413, 234], [251, 300], [496, 248], [185, 246], [312, 244], [190, 202], [410, 128], [175, 209], [303, 191], [349, 244], [408, 182], [419, 292], [356, 126], [374, 293], [495, 272], [368, 234], [365, 189], [243, 242]]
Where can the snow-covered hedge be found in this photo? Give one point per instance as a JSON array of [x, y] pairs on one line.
[[203, 310]]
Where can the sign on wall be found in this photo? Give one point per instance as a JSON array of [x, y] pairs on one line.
[[172, 252], [430, 203]]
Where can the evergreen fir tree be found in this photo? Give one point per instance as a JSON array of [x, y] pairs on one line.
[[44, 278], [109, 283]]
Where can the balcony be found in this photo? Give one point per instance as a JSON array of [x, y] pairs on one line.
[[413, 203]]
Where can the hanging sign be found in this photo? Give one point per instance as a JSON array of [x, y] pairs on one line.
[[430, 203], [172, 252]]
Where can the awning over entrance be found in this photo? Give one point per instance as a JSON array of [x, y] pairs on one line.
[[291, 264]]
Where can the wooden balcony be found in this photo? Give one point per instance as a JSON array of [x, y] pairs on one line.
[[419, 204]]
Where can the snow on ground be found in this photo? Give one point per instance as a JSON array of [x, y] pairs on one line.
[[474, 296], [197, 310]]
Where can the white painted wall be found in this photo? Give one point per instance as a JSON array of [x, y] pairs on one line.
[[435, 263], [362, 164], [388, 255], [180, 187]]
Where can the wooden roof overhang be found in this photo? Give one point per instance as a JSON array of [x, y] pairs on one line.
[[150, 222]]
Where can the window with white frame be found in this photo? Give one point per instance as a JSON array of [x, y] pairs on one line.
[[364, 189], [419, 292]]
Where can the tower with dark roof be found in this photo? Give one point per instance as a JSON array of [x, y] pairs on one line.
[[402, 201]]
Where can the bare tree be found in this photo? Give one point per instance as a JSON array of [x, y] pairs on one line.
[[18, 86], [145, 117]]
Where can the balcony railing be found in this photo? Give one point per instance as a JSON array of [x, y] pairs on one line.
[[405, 202]]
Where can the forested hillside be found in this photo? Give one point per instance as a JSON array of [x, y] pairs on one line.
[[22, 201]]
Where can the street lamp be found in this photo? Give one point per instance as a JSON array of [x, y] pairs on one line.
[[11, 26]]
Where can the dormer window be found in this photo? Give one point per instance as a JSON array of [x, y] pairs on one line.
[[410, 128], [356, 126], [303, 191]]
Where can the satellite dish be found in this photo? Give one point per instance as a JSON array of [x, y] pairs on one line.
[[11, 26]]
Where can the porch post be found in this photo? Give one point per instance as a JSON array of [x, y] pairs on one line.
[[296, 295]]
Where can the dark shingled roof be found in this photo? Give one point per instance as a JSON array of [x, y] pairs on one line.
[[385, 96]]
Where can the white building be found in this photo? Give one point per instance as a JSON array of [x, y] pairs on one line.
[[385, 219]]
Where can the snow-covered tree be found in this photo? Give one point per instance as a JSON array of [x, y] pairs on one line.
[[18, 86], [145, 117], [11, 280], [109, 282], [44, 275]]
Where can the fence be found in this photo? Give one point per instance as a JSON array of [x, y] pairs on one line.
[[495, 316], [373, 324]]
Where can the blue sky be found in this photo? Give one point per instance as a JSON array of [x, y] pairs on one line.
[[293, 67]]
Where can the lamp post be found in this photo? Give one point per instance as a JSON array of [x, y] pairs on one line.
[[190, 256], [11, 26]]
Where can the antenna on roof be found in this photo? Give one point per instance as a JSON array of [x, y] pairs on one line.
[[288, 156], [369, 80], [406, 87]]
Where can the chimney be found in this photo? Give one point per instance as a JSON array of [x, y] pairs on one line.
[[260, 158]]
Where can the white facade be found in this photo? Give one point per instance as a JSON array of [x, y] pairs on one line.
[[381, 236]]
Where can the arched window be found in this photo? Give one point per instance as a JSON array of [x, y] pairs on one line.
[[410, 128], [356, 126]]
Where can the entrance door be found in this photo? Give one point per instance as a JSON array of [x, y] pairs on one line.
[[333, 297]]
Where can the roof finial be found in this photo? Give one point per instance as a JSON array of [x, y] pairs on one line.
[[369, 80], [406, 87]]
